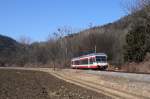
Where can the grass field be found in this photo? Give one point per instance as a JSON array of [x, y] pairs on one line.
[[21, 84]]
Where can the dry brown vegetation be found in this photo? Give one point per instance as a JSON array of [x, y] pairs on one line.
[[143, 67]]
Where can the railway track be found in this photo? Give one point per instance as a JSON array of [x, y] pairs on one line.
[[118, 71], [127, 72], [142, 77]]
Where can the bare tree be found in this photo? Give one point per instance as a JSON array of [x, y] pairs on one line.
[[25, 40], [59, 45], [133, 6]]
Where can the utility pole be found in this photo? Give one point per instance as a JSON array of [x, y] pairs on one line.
[[95, 48]]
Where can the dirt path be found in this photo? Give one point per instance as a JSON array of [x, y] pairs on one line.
[[117, 87]]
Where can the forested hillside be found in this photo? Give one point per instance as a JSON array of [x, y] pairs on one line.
[[125, 40], [8, 50]]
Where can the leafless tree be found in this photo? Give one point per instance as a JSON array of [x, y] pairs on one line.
[[25, 40], [133, 6]]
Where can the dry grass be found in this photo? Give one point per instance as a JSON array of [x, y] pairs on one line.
[[143, 67]]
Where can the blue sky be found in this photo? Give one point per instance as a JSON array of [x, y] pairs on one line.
[[37, 19]]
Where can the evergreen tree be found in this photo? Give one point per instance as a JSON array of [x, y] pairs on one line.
[[135, 48]]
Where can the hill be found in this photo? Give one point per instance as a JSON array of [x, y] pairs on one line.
[[109, 38], [8, 49], [59, 49]]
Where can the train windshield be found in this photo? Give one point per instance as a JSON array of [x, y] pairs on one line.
[[101, 59]]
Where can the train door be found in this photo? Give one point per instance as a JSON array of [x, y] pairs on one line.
[[88, 62]]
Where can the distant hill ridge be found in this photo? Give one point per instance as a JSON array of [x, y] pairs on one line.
[[8, 49], [6, 42]]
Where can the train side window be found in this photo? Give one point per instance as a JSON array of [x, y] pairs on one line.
[[85, 61], [76, 62], [91, 61]]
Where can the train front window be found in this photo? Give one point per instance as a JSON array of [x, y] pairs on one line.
[[101, 59]]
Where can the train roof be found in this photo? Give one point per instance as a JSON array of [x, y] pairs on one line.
[[92, 54]]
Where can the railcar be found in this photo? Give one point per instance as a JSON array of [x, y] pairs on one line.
[[90, 61]]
